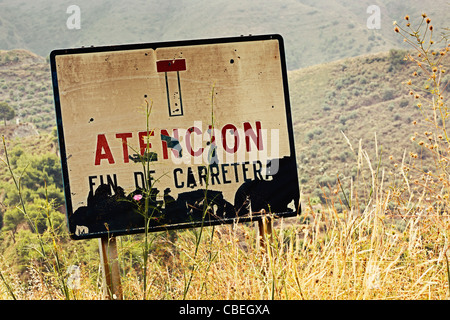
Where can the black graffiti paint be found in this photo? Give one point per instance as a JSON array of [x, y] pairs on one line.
[[110, 210]]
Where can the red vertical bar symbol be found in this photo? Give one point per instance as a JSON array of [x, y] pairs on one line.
[[171, 65], [174, 101]]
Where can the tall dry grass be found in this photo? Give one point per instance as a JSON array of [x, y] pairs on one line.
[[333, 256]]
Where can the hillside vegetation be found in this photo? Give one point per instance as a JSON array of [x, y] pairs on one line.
[[315, 32], [25, 84], [363, 99]]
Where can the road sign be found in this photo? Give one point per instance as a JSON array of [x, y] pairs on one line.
[[178, 134]]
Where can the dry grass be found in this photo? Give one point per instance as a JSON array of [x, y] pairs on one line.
[[368, 256]]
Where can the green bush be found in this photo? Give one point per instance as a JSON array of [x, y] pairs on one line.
[[403, 103], [326, 181], [388, 94], [396, 59]]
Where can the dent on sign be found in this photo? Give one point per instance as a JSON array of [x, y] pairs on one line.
[[217, 146]]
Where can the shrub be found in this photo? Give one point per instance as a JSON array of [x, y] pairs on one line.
[[388, 94], [326, 181], [396, 58], [403, 103], [6, 112], [326, 107]]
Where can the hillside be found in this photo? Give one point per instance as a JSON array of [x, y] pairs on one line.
[[315, 32], [25, 84], [362, 97], [367, 99]]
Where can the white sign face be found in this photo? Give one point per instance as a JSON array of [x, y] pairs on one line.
[[199, 130]]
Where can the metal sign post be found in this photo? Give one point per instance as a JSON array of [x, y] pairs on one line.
[[112, 287], [265, 232]]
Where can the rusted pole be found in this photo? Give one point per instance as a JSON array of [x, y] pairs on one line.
[[112, 287], [265, 231]]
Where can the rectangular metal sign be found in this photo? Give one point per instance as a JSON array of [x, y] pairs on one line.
[[174, 134]]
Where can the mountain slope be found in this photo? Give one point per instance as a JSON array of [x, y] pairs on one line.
[[25, 84], [315, 31], [364, 98]]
